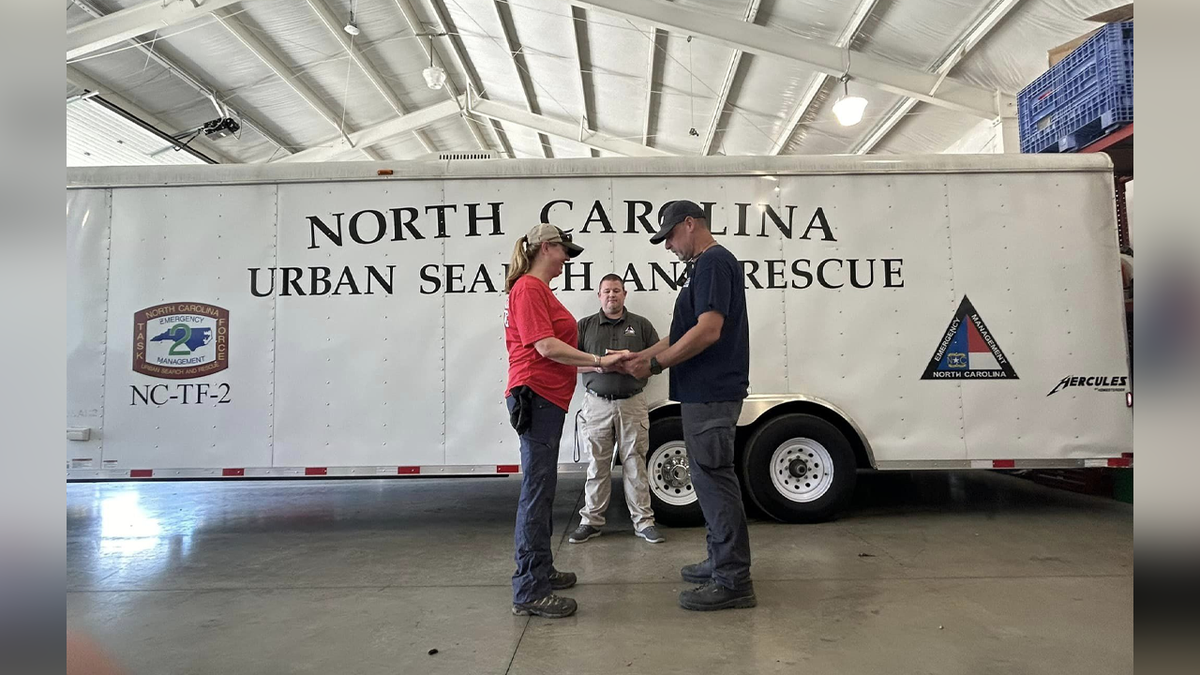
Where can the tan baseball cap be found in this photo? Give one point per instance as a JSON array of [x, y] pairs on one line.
[[547, 233]]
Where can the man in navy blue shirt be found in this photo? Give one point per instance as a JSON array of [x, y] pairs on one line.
[[708, 352]]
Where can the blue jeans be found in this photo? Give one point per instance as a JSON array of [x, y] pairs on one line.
[[535, 525]]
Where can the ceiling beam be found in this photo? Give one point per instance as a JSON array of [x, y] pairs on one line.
[[334, 25], [282, 71], [508, 32], [431, 54], [81, 81], [654, 68], [884, 127], [492, 110], [378, 133], [133, 21], [864, 68], [805, 104], [568, 130], [987, 20], [192, 81], [723, 97], [462, 61], [579, 31]]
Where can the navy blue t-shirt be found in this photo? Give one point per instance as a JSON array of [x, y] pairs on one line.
[[721, 372]]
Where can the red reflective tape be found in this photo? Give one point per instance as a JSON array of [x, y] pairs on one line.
[[1120, 462], [1004, 463], [1127, 454], [315, 471], [508, 468], [408, 469], [141, 473], [233, 472]]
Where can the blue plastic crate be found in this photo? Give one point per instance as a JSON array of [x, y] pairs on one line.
[[1086, 95]]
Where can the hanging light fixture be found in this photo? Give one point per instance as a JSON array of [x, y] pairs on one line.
[[849, 109], [351, 28], [435, 76]]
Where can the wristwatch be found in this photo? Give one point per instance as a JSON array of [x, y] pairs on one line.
[[655, 367]]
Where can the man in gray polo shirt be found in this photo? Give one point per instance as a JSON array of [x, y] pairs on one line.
[[615, 413]]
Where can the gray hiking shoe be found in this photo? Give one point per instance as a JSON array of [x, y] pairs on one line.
[[651, 535], [699, 573], [550, 607], [583, 533], [561, 581], [712, 596]]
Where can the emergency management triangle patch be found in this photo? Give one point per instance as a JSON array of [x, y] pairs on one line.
[[968, 351]]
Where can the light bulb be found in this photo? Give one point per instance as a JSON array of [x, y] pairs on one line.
[[849, 110], [435, 77], [351, 28]]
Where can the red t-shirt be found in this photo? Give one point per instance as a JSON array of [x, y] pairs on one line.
[[533, 313]]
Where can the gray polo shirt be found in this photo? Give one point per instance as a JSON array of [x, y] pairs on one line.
[[598, 334]]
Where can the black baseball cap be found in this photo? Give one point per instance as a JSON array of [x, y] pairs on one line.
[[675, 213]]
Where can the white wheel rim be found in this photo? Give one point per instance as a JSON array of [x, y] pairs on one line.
[[670, 474], [801, 470]]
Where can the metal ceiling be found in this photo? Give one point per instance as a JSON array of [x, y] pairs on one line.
[[551, 78]]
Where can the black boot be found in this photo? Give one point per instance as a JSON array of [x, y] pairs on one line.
[[713, 595], [698, 573]]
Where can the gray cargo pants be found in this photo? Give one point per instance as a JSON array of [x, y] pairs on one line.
[[708, 432]]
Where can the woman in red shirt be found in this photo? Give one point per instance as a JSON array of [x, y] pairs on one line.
[[541, 338]]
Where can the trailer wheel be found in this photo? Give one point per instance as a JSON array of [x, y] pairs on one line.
[[671, 493], [799, 468]]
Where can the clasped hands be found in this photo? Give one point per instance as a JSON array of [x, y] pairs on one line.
[[636, 364]]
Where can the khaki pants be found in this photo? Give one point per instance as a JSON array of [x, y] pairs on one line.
[[625, 423]]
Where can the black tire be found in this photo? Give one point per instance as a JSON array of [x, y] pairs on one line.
[[667, 452], [799, 439]]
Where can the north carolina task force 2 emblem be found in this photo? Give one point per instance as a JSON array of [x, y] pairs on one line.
[[181, 340]]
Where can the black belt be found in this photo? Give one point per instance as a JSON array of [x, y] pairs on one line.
[[613, 397]]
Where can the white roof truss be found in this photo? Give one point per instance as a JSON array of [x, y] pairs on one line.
[[334, 26], [281, 70], [771, 43], [727, 85], [804, 107], [551, 127], [504, 16], [199, 85], [133, 21], [987, 20], [431, 53], [81, 81], [463, 62]]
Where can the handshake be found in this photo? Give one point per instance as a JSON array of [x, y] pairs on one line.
[[636, 364]]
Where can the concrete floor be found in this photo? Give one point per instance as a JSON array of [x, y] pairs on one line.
[[928, 573]]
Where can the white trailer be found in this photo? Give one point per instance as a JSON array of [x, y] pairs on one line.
[[345, 319]]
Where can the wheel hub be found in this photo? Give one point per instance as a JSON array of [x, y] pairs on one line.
[[670, 476], [676, 473], [801, 470], [798, 468]]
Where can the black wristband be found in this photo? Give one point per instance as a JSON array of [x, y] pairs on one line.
[[655, 367]]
